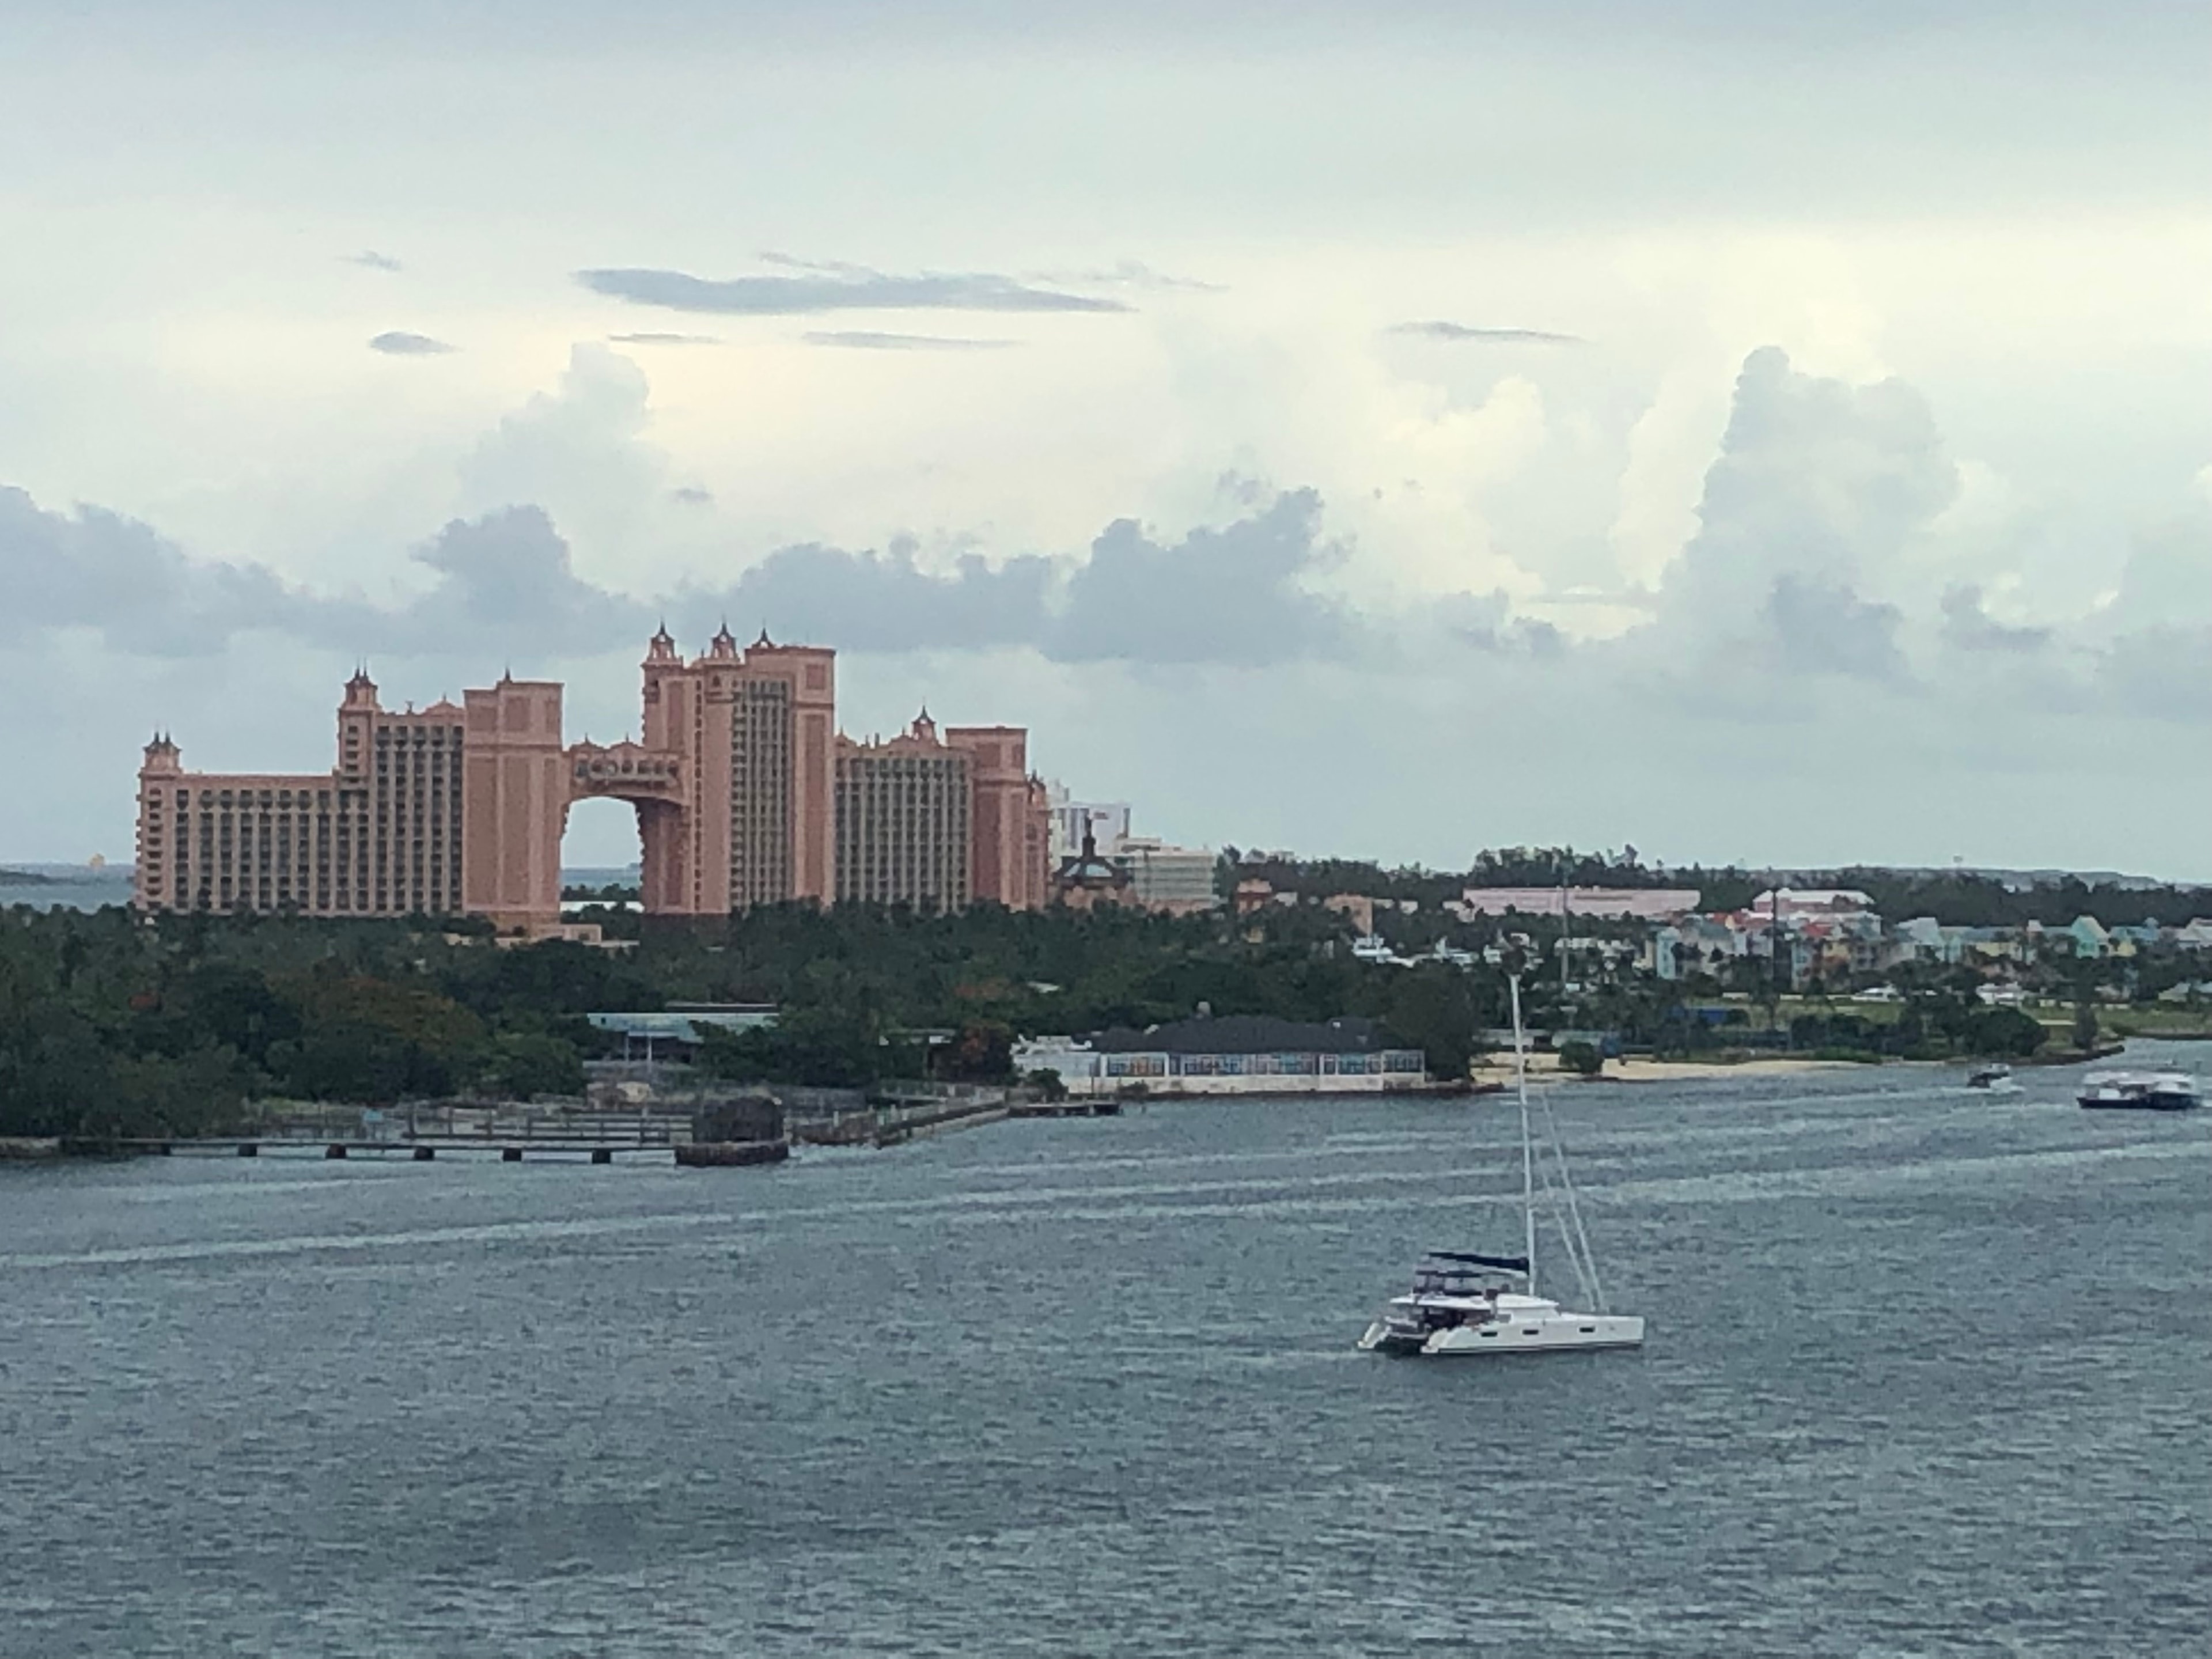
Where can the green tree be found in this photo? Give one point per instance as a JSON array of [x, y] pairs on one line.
[[1581, 1058]]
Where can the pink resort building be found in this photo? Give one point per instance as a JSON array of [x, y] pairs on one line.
[[745, 795]]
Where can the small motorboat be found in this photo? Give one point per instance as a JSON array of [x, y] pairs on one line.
[[1994, 1079]]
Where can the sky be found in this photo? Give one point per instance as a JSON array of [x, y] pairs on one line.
[[1749, 433]]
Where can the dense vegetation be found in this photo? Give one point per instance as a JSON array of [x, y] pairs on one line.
[[111, 1025], [1959, 898]]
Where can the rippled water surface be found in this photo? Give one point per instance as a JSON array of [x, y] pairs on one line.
[[1928, 1373]]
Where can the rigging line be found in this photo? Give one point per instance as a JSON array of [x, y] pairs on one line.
[[1585, 1280], [1574, 1205]]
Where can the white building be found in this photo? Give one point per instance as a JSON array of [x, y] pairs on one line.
[[1164, 877], [1106, 821], [1235, 1055]]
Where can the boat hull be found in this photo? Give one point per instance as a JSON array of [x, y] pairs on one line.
[[1555, 1333], [2142, 1102], [1380, 1338]]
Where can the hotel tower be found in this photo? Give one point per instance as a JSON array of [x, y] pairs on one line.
[[744, 793]]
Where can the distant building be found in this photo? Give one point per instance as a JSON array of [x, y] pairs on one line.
[[1643, 904], [1010, 857], [1358, 911], [1238, 1055], [904, 821], [1086, 880], [677, 1033], [434, 812], [1107, 820], [1810, 901], [1177, 880], [734, 779]]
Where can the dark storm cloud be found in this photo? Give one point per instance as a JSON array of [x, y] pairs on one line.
[[398, 342], [370, 258], [814, 289], [1462, 331], [866, 340]]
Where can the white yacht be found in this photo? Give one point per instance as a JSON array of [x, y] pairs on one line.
[[2168, 1091], [1463, 1303]]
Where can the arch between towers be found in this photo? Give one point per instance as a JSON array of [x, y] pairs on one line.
[[653, 786]]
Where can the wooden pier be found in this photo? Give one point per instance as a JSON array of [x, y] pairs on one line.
[[413, 1151]]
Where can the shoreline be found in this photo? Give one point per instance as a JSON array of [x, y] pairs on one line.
[[1672, 1071]]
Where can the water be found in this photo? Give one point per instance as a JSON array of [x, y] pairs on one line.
[[1928, 1374]]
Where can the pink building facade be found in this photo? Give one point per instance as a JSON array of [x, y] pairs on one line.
[[459, 809]]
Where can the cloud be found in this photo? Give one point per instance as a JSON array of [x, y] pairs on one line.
[[692, 495], [99, 570], [506, 581], [399, 344], [1129, 273], [374, 260], [865, 340], [1968, 625], [815, 289], [652, 338], [1231, 595], [886, 601], [1444, 331], [1822, 494], [1824, 628]]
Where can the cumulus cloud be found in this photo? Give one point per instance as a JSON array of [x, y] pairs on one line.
[[370, 258], [1232, 595], [867, 340], [99, 570], [1824, 628], [398, 342], [1822, 494], [885, 601], [505, 578], [810, 289], [504, 582], [1462, 331], [1968, 625]]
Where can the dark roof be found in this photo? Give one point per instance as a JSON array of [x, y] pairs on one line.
[[1245, 1034]]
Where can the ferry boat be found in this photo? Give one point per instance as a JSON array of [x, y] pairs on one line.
[[1461, 1303], [2166, 1090]]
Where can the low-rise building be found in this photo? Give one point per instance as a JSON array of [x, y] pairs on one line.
[[1233, 1054], [1631, 903]]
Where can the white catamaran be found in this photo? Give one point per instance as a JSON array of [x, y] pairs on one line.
[[1460, 1302]]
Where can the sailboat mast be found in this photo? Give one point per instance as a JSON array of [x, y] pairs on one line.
[[1527, 1152]]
